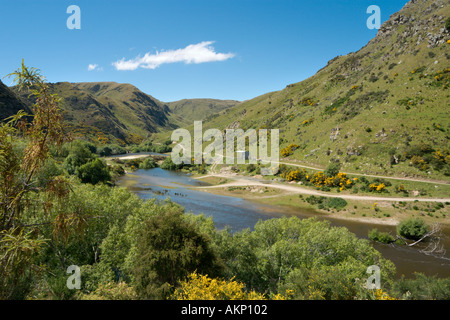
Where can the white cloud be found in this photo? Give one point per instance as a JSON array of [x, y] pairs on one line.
[[93, 67], [194, 53]]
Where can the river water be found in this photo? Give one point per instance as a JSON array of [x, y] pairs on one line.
[[239, 214]]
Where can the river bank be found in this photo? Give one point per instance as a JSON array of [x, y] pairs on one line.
[[361, 208], [240, 212]]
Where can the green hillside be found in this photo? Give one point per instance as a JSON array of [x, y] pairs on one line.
[[108, 111], [186, 111], [112, 112], [382, 110]]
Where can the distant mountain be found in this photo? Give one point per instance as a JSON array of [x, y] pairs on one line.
[[187, 111], [114, 112], [10, 104], [382, 110]]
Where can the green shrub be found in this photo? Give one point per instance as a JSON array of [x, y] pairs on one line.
[[382, 237], [94, 172], [326, 203], [336, 203], [422, 288], [104, 151], [148, 163], [412, 228], [168, 249], [314, 200], [392, 65], [169, 165], [50, 170], [78, 156], [332, 169]]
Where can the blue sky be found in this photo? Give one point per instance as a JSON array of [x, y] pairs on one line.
[[175, 49]]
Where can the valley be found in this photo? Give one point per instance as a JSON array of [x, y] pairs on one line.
[[358, 174]]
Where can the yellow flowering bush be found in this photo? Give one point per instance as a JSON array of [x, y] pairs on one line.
[[419, 163], [442, 78], [307, 102], [442, 156], [319, 179], [202, 287], [381, 295], [294, 175], [289, 150], [377, 187]]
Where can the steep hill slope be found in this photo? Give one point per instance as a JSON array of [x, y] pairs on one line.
[[136, 109], [114, 112], [186, 111], [10, 104], [381, 110], [108, 111]]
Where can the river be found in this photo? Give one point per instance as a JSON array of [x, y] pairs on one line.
[[239, 214]]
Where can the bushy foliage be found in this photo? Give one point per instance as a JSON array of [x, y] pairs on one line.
[[294, 175], [78, 156], [378, 236], [93, 172], [147, 146], [169, 248], [321, 180], [111, 291], [422, 287], [289, 150], [279, 250], [412, 228], [110, 149], [202, 287], [168, 164], [148, 163], [327, 202], [424, 157], [19, 169], [49, 171], [332, 169]]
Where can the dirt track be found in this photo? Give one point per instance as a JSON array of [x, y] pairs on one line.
[[242, 181]]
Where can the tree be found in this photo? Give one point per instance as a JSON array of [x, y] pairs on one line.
[[169, 249], [412, 228], [18, 171], [168, 164], [148, 163], [332, 169], [93, 172], [49, 171], [78, 156], [104, 151]]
